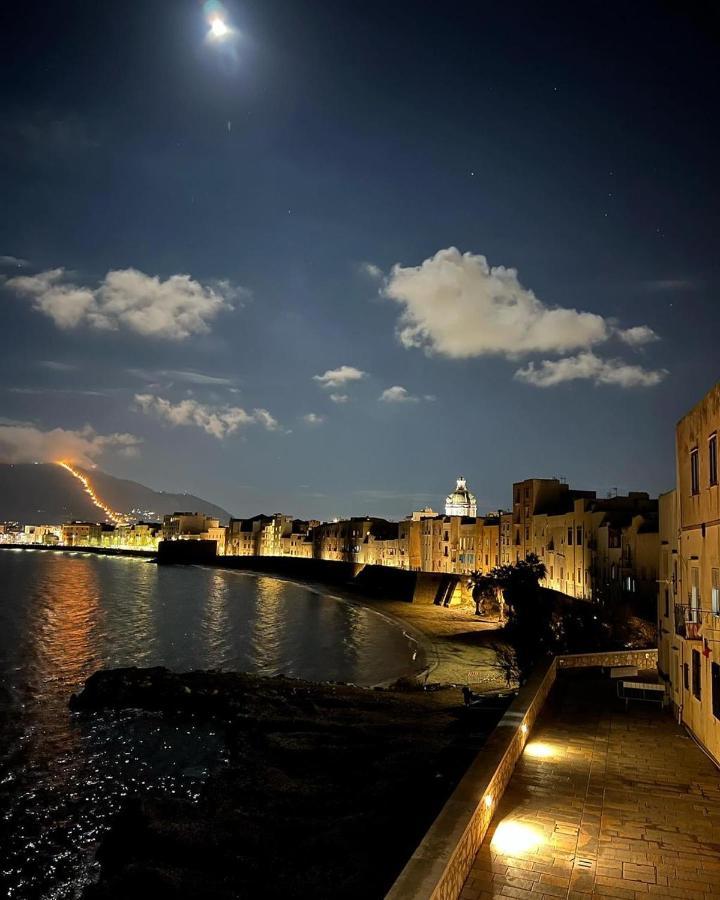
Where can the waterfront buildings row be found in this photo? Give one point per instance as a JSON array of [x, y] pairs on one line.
[[593, 548], [689, 585]]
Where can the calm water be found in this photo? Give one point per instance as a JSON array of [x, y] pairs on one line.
[[62, 616]]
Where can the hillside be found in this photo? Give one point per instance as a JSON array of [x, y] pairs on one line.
[[46, 493]]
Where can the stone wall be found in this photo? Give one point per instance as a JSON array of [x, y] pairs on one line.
[[440, 865]]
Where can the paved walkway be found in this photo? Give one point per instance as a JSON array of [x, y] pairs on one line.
[[603, 803]]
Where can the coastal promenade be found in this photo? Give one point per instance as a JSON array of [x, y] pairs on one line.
[[603, 803]]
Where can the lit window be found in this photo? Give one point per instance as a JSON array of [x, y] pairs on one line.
[[696, 686], [712, 457], [694, 472]]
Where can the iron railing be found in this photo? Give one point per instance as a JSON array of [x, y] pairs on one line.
[[693, 622]]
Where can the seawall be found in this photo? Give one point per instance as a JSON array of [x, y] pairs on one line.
[[98, 551]]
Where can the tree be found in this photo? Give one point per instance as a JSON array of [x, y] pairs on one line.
[[484, 589]]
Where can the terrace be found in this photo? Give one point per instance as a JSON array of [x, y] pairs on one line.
[[603, 803]]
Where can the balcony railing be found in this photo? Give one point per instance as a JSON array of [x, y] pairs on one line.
[[694, 622]]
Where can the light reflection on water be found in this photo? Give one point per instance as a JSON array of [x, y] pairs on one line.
[[62, 616]]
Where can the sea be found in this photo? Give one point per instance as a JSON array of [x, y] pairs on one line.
[[64, 615]]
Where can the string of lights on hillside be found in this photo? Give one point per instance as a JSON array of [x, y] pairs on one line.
[[112, 515]]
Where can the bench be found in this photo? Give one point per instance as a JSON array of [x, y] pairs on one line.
[[641, 690]]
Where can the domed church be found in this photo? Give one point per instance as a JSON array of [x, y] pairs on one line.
[[461, 502]]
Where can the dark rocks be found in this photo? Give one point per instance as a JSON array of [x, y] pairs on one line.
[[328, 789]]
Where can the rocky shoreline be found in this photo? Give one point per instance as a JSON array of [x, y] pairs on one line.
[[327, 790]]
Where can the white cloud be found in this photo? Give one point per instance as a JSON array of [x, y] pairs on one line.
[[21, 442], [313, 419], [57, 366], [172, 309], [397, 394], [13, 262], [335, 378], [587, 366], [219, 421], [456, 305], [637, 336], [371, 270], [339, 398], [188, 376]]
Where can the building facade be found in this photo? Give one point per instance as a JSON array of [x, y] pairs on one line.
[[689, 585]]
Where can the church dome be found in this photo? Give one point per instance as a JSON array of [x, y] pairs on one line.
[[461, 502]]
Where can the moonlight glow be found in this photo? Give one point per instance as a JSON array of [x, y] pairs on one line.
[[218, 29]]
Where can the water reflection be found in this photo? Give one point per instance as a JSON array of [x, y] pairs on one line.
[[63, 616]]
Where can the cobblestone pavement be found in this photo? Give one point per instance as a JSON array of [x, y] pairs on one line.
[[603, 803]]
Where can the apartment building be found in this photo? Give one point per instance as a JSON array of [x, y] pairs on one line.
[[689, 586], [81, 534], [601, 550]]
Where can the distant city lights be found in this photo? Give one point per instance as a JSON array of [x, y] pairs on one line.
[[116, 518]]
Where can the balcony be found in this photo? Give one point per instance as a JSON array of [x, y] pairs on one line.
[[693, 622]]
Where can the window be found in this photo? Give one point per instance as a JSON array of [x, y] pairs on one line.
[[712, 458], [694, 472], [716, 591], [579, 576], [578, 536], [696, 686], [695, 587], [686, 676], [716, 690], [570, 531], [667, 603], [552, 571]]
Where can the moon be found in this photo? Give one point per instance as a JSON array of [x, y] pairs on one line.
[[218, 29]]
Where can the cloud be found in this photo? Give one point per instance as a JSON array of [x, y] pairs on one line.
[[339, 398], [637, 336], [57, 366], [23, 442], [128, 299], [313, 419], [335, 378], [219, 421], [12, 262], [456, 305], [371, 270], [587, 366], [189, 377], [662, 285], [397, 394]]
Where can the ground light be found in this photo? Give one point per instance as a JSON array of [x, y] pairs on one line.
[[540, 750], [512, 837]]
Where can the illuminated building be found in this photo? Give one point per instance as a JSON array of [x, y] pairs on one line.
[[81, 534], [461, 502], [689, 584], [194, 526]]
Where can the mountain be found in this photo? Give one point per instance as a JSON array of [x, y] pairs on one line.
[[43, 493]]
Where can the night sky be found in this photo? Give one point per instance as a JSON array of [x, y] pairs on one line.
[[330, 261]]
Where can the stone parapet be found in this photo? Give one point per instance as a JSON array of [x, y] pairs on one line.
[[439, 867]]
